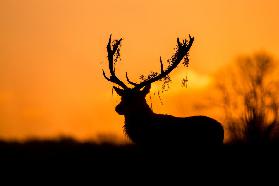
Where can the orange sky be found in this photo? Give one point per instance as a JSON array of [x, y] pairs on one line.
[[52, 53]]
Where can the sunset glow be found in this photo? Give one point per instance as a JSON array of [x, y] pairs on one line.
[[52, 53]]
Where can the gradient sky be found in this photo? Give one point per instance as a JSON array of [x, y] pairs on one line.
[[52, 53]]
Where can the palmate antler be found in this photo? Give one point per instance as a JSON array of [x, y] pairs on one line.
[[181, 51]]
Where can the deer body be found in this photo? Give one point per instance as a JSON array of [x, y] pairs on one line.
[[146, 128], [159, 129]]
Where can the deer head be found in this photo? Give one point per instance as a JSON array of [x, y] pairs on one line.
[[133, 96]]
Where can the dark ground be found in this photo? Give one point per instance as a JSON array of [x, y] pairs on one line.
[[67, 149], [69, 157]]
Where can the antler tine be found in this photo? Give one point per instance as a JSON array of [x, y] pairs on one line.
[[182, 50], [111, 51], [136, 84], [129, 81]]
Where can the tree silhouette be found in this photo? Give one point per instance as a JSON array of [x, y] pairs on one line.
[[248, 93]]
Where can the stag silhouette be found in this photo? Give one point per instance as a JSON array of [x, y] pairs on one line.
[[142, 125]]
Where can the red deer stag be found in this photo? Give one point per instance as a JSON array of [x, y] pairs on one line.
[[142, 125]]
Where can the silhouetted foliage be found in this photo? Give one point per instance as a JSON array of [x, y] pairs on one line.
[[249, 95], [178, 54], [181, 54]]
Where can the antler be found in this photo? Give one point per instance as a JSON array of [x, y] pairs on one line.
[[182, 50], [111, 50]]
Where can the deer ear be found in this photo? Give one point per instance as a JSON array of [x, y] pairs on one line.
[[119, 91], [146, 89]]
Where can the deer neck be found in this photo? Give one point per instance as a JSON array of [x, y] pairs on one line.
[[140, 115], [137, 123]]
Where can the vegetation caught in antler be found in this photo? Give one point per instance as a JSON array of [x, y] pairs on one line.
[[181, 53], [114, 50]]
